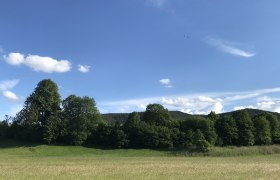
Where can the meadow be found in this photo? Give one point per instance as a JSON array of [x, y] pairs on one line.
[[76, 162]]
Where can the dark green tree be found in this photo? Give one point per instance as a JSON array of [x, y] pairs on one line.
[[132, 128], [117, 137], [274, 127], [213, 117], [203, 124], [183, 139], [41, 112], [101, 135], [201, 144], [227, 130], [4, 129], [156, 114], [262, 130], [80, 116], [245, 128]]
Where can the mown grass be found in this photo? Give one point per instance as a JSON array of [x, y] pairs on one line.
[[31, 161]]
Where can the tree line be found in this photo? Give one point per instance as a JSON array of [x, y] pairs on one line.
[[77, 121]]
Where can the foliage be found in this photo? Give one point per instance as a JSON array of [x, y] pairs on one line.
[[227, 130], [274, 127], [156, 114], [76, 120], [118, 137], [40, 114], [80, 116], [262, 130], [4, 128], [201, 145], [202, 124], [245, 128]]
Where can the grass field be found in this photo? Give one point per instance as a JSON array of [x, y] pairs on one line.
[[66, 162]]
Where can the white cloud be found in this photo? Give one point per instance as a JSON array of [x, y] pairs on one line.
[[142, 106], [125, 105], [229, 47], [218, 107], [157, 3], [267, 103], [202, 103], [83, 68], [10, 95], [166, 82], [244, 107], [5, 87], [194, 105], [264, 103], [47, 64], [205, 99], [14, 59], [243, 95], [9, 84], [38, 63]]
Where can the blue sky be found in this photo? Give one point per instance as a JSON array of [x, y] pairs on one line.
[[189, 55]]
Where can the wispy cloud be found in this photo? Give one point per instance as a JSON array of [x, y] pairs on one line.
[[166, 82], [83, 68], [38, 63], [264, 103], [6, 86], [201, 103], [229, 47], [157, 3]]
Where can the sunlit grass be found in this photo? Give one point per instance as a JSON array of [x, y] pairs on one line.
[[69, 162]]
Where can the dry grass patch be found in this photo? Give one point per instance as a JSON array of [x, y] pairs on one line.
[[259, 167]]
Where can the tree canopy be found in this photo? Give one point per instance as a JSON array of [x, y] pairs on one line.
[[76, 120]]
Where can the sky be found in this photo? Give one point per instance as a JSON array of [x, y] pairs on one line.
[[194, 56]]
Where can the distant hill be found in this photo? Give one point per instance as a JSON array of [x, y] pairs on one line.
[[122, 117], [253, 112]]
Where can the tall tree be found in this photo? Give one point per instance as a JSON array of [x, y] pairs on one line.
[[262, 130], [274, 126], [156, 114], [41, 111], [227, 130], [80, 116], [213, 116], [245, 128]]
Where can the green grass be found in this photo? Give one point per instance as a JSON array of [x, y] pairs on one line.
[[31, 161]]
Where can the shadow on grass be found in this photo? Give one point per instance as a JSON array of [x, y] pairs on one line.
[[228, 151], [11, 143]]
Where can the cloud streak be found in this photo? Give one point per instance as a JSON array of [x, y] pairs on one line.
[[38, 63], [201, 103], [229, 47]]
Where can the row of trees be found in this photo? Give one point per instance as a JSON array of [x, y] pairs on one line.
[[76, 120]]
